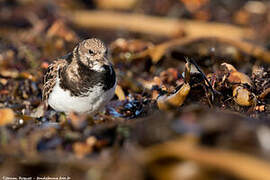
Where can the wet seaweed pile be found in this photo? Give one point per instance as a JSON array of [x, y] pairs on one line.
[[187, 106]]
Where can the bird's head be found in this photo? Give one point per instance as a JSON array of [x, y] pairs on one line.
[[92, 53]]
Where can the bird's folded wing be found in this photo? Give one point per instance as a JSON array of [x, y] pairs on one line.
[[50, 78]]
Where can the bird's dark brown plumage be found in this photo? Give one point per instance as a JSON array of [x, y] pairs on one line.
[[80, 73]]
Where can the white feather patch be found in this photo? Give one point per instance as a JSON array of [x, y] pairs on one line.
[[61, 100]]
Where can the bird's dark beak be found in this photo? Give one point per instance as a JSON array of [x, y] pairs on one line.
[[106, 61]]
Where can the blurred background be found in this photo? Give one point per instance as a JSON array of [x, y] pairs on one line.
[[220, 130]]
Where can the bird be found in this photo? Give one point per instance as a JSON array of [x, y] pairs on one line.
[[82, 81]]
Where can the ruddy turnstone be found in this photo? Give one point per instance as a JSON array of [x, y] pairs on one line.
[[82, 81]]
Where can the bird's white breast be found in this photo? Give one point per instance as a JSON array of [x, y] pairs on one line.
[[61, 100]]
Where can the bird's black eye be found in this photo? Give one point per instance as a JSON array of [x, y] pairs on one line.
[[91, 52]]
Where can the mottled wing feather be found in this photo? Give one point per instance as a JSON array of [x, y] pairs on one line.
[[50, 78]]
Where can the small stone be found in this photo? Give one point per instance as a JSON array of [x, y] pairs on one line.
[[81, 149], [20, 121], [6, 116]]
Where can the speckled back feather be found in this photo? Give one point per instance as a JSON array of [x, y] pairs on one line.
[[50, 78]]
